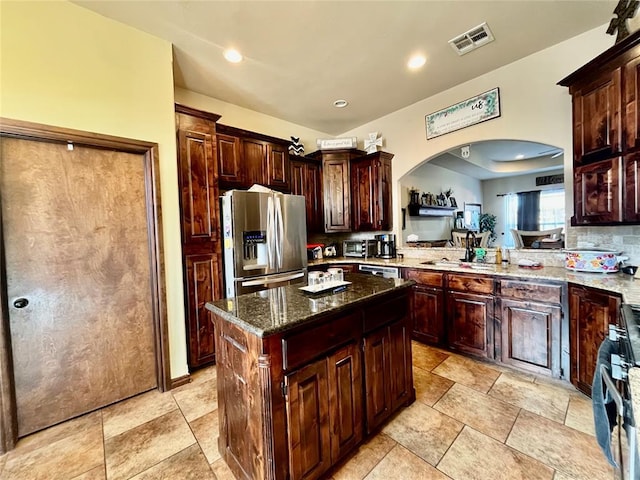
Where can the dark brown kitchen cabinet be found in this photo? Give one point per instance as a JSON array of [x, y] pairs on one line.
[[596, 118], [324, 408], [295, 402], [388, 375], [632, 187], [345, 400], [591, 312], [229, 168], [528, 325], [306, 180], [337, 191], [598, 193], [278, 167], [308, 420], [246, 158], [254, 154], [203, 282], [427, 307], [606, 132], [371, 192], [200, 218], [470, 314]]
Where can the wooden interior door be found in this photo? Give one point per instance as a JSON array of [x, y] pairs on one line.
[[79, 281]]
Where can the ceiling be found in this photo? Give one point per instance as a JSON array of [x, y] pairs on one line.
[[300, 56], [501, 158]]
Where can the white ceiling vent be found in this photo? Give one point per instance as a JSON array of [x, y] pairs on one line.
[[474, 38]]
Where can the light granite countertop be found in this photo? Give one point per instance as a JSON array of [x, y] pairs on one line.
[[278, 309], [618, 282], [626, 285]]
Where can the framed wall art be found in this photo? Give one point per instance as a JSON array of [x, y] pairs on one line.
[[471, 111]]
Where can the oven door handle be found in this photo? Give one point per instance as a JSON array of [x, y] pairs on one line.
[[611, 386]]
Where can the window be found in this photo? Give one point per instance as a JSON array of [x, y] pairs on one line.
[[551, 213], [551, 209]]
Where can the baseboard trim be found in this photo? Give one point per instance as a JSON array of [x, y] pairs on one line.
[[179, 381]]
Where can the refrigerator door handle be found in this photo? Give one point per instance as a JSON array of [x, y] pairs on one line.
[[271, 279], [270, 232], [280, 232]]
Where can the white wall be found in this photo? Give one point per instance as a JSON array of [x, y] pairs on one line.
[[492, 203], [66, 66], [435, 179]]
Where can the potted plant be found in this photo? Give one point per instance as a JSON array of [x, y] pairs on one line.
[[488, 224]]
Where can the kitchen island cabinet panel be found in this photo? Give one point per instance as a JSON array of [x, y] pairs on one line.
[[377, 373], [292, 382], [345, 400], [307, 401]]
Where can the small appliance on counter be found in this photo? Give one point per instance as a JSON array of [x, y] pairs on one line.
[[386, 245], [314, 251], [359, 248]]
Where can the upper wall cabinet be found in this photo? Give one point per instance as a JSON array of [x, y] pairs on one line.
[[357, 190], [371, 192], [306, 180], [246, 158], [606, 135]]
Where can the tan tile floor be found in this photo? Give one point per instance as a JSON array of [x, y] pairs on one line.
[[471, 420]]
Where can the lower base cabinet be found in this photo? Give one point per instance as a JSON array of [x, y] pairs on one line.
[[591, 312], [388, 375], [324, 420], [470, 323], [531, 336], [529, 315], [293, 404]]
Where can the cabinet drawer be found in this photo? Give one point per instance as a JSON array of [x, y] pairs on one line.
[[531, 291], [385, 312], [302, 347], [430, 279], [470, 283]]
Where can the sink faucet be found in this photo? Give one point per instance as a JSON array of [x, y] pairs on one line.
[[469, 253]]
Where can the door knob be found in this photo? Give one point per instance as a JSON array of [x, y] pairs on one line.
[[20, 302]]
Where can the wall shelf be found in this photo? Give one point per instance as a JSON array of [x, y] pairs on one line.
[[430, 211]]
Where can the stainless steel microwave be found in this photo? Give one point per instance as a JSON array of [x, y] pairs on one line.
[[359, 248]]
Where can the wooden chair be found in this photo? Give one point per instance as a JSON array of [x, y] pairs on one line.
[[460, 238], [524, 238]]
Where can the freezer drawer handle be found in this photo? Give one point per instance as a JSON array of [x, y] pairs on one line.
[[267, 281]]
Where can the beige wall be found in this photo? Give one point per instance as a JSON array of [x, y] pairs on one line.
[[63, 65], [239, 117], [533, 108]]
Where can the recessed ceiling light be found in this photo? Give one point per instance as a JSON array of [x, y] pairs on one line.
[[232, 55], [416, 61], [340, 103], [519, 156]]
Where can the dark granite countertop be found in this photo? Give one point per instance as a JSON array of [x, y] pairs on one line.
[[278, 309]]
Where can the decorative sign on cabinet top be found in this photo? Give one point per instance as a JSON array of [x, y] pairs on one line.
[[473, 110], [337, 143]]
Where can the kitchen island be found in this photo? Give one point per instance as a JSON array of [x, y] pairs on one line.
[[303, 379]]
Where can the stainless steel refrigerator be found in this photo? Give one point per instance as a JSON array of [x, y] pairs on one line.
[[265, 240]]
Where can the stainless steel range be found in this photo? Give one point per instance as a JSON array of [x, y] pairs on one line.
[[627, 339]]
